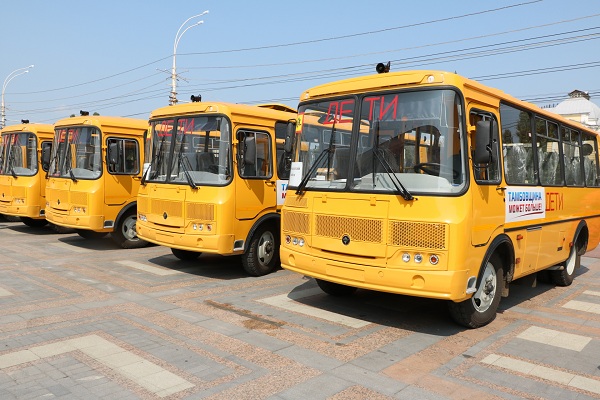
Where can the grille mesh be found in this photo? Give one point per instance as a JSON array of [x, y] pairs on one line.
[[361, 229], [201, 211], [79, 198], [295, 222], [172, 208], [418, 234]]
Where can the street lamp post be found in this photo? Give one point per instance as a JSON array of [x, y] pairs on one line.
[[9, 78], [173, 96]]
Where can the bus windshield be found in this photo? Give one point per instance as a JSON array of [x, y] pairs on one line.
[[190, 150], [76, 153], [18, 155], [393, 142]]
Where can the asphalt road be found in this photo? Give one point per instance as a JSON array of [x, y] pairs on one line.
[[84, 319]]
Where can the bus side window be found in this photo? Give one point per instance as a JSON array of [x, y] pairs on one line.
[[123, 157], [255, 154], [519, 168], [487, 173]]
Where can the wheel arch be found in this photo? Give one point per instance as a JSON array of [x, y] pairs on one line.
[[267, 218], [125, 210], [503, 247], [581, 237]]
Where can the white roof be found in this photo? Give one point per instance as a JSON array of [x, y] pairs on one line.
[[577, 105]]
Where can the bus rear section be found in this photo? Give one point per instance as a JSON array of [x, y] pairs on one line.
[[95, 169], [425, 183], [215, 181], [22, 175]]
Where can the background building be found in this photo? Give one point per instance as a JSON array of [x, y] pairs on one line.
[[578, 107]]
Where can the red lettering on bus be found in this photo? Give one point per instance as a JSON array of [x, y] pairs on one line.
[[337, 110], [554, 201]]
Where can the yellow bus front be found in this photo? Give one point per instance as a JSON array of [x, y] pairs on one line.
[[94, 173], [22, 176], [378, 193], [213, 181]]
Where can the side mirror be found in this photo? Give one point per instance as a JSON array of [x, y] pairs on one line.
[[288, 145], [46, 151], [113, 153], [483, 142]]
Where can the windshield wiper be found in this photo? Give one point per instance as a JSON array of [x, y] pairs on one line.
[[181, 158], [69, 162], [157, 157], [328, 151], [377, 153], [11, 162]]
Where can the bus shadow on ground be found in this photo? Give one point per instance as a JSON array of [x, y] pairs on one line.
[[31, 230], [105, 243], [207, 265], [417, 314]]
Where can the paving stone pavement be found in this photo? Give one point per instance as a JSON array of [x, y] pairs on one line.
[[84, 319]]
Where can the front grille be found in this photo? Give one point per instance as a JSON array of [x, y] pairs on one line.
[[172, 208], [423, 235], [57, 194], [79, 198], [201, 211], [295, 222], [361, 229]]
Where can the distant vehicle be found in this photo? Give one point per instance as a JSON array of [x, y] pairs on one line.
[[425, 183], [22, 175], [94, 172], [215, 181]]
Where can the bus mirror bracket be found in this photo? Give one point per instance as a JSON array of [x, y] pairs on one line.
[[113, 153], [483, 142], [289, 137], [46, 157]]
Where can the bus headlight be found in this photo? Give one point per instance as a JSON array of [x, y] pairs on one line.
[[19, 201], [288, 239], [142, 217], [406, 257], [418, 258]]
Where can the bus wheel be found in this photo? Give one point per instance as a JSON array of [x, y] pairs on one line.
[[87, 234], [185, 255], [34, 223], [564, 277], [481, 309], [125, 234], [335, 289], [262, 256]]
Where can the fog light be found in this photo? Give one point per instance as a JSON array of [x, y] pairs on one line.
[[295, 241], [194, 227], [418, 258], [300, 242], [406, 257]]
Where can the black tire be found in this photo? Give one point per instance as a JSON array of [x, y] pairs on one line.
[[125, 234], [185, 255], [91, 235], [481, 309], [565, 276], [335, 289], [34, 223], [262, 256]]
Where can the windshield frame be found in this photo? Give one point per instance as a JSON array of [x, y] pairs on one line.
[[450, 188], [8, 158], [173, 152], [59, 168]]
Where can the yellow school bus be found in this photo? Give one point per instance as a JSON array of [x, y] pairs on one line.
[[215, 181], [95, 169], [22, 175], [445, 188]]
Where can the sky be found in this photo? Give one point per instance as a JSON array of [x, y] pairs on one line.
[[115, 57]]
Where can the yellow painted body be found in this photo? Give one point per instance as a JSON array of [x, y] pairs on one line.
[[459, 230], [94, 204], [170, 214], [25, 195]]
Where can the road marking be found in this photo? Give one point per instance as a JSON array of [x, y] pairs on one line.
[[554, 338], [538, 371], [592, 292], [149, 268], [150, 376], [288, 302], [5, 293], [583, 306]]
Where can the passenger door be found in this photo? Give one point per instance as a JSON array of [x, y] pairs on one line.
[[256, 189]]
